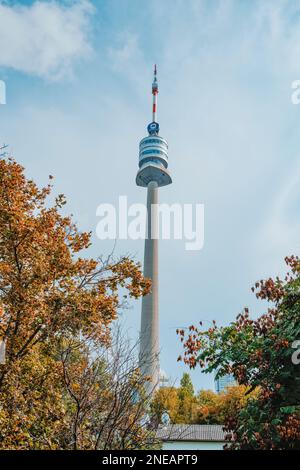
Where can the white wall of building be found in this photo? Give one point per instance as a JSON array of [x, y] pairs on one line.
[[192, 445]]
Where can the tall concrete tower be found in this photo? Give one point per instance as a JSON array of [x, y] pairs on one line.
[[152, 173]]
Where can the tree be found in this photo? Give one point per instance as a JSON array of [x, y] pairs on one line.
[[50, 296], [179, 403], [106, 397], [165, 400], [208, 408], [186, 385], [259, 354], [186, 400], [233, 400]]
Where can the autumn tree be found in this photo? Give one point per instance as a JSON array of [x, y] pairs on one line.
[[233, 400], [186, 400], [218, 408], [178, 402], [106, 398], [186, 385], [208, 409], [259, 353], [50, 293]]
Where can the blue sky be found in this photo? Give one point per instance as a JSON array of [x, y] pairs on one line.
[[78, 78]]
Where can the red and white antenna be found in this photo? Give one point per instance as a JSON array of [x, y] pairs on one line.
[[154, 93]]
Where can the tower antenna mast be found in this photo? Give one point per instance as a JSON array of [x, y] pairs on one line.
[[154, 93]]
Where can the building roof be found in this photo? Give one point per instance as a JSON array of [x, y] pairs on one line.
[[191, 432]]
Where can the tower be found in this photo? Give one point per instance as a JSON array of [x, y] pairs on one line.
[[152, 173]]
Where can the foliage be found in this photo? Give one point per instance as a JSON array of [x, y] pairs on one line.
[[216, 408], [259, 354], [57, 306], [177, 402], [207, 407], [186, 385], [165, 400]]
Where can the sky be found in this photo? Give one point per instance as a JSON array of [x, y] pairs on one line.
[[78, 76]]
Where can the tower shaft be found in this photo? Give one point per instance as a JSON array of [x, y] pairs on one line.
[[149, 335]]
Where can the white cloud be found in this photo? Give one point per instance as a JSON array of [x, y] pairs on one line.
[[128, 50], [127, 58], [46, 38]]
